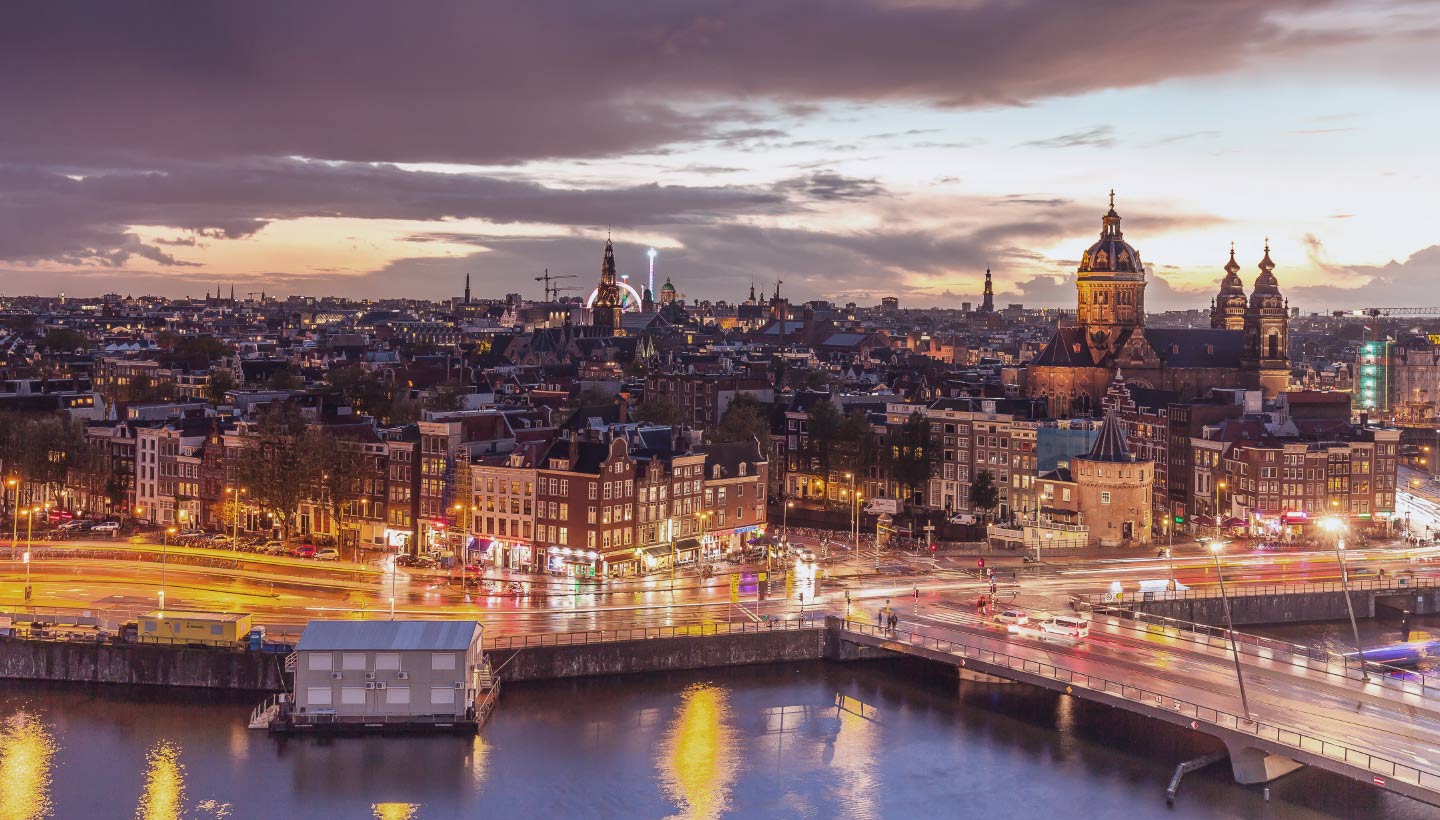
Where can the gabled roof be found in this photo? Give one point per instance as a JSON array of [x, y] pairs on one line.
[[1197, 346], [1061, 351]]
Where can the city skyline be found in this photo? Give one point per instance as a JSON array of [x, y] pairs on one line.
[[168, 151]]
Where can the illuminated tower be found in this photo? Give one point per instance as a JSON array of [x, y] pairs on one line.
[[987, 301], [650, 286], [605, 310], [1111, 284], [1228, 312], [1267, 331]]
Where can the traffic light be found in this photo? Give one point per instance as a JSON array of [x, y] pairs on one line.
[[980, 563]]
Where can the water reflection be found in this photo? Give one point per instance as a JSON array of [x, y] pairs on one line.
[[396, 811], [855, 752], [27, 750], [698, 756], [164, 795]]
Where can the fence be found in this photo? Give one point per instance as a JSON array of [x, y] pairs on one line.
[[1200, 714], [1392, 677], [815, 621], [1242, 590]]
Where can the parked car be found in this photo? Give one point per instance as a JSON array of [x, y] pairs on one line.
[[303, 551], [964, 518], [191, 533], [107, 527], [75, 525], [328, 554]]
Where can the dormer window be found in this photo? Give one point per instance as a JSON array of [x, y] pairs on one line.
[[742, 468]]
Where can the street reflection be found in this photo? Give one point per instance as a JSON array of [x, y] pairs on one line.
[[163, 797], [26, 752], [698, 758]]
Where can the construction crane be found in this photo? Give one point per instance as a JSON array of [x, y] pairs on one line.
[[552, 292], [1376, 312]]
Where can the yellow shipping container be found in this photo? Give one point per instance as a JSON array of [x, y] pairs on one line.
[[185, 627]]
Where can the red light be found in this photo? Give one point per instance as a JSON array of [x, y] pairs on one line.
[[980, 563]]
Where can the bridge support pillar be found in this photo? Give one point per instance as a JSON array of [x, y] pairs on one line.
[[1251, 765]]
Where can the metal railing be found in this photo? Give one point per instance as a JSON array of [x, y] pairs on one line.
[[1281, 735], [641, 633], [1349, 667], [1242, 590]]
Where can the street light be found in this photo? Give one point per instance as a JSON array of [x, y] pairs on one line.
[[164, 561], [14, 515], [1215, 547], [1335, 526], [29, 528]]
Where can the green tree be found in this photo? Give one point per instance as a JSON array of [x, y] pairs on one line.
[[342, 470], [204, 345], [660, 409], [747, 417], [823, 426], [285, 379], [816, 380], [221, 382], [910, 457], [64, 339], [984, 493], [855, 443]]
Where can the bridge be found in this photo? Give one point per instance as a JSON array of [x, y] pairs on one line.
[[1304, 709]]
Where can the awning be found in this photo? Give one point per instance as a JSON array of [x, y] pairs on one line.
[[766, 540], [688, 544], [1231, 523], [1203, 521]]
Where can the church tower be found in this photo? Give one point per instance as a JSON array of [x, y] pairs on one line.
[[1111, 284], [987, 300], [1267, 332], [1228, 311], [605, 311]]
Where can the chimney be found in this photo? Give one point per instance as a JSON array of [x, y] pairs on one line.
[[574, 451], [622, 399]]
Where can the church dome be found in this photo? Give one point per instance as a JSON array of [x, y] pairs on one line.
[[1112, 254], [1266, 284], [667, 287], [1231, 284]]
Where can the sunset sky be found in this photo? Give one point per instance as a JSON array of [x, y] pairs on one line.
[[853, 149]]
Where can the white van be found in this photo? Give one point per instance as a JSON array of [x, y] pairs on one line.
[[1066, 626]]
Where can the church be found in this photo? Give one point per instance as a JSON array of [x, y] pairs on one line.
[[1246, 345]]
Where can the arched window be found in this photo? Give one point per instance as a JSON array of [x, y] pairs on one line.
[[1274, 346]]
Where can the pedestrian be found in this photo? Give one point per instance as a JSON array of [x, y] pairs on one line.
[[880, 618], [894, 621]]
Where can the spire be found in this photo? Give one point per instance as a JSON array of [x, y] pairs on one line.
[[1110, 223], [1232, 267], [1266, 283], [1111, 445], [607, 266], [1266, 264], [467, 288]]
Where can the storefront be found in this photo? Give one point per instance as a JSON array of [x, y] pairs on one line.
[[573, 563], [731, 542], [507, 554]]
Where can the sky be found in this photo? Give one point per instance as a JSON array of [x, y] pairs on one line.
[[852, 149]]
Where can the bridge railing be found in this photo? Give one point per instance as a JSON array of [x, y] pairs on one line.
[[1350, 667], [641, 633], [1396, 584], [1198, 713]]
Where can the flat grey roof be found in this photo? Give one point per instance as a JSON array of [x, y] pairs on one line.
[[438, 636]]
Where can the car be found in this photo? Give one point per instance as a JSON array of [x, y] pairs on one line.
[[1065, 626], [191, 533], [1012, 616], [303, 551], [963, 518], [106, 526], [327, 555], [75, 525]]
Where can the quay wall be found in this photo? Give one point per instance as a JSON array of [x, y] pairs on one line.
[[658, 654], [140, 665]]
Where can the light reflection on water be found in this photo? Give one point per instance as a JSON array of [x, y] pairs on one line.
[[27, 748], [812, 741], [698, 758]]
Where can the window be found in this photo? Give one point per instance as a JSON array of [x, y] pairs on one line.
[[397, 695], [607, 490], [442, 660], [319, 695], [564, 486], [1105, 497], [591, 491], [388, 661], [564, 535], [442, 695], [1065, 494], [352, 695], [315, 662]]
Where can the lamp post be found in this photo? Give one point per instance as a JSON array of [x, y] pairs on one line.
[[1215, 547], [30, 521], [785, 521], [1336, 528], [164, 561], [1170, 559], [1219, 507], [14, 515]]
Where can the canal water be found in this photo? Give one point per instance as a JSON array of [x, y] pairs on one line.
[[881, 740]]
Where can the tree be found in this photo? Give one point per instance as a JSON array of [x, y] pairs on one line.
[[823, 424], [278, 474], [285, 379], [142, 388], [221, 383], [64, 339], [449, 396], [747, 417], [816, 380], [660, 409], [855, 443], [208, 347], [911, 454], [342, 469], [984, 494]]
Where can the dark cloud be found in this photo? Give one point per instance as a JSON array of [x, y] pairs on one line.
[[1414, 282], [829, 186], [46, 215], [104, 83]]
